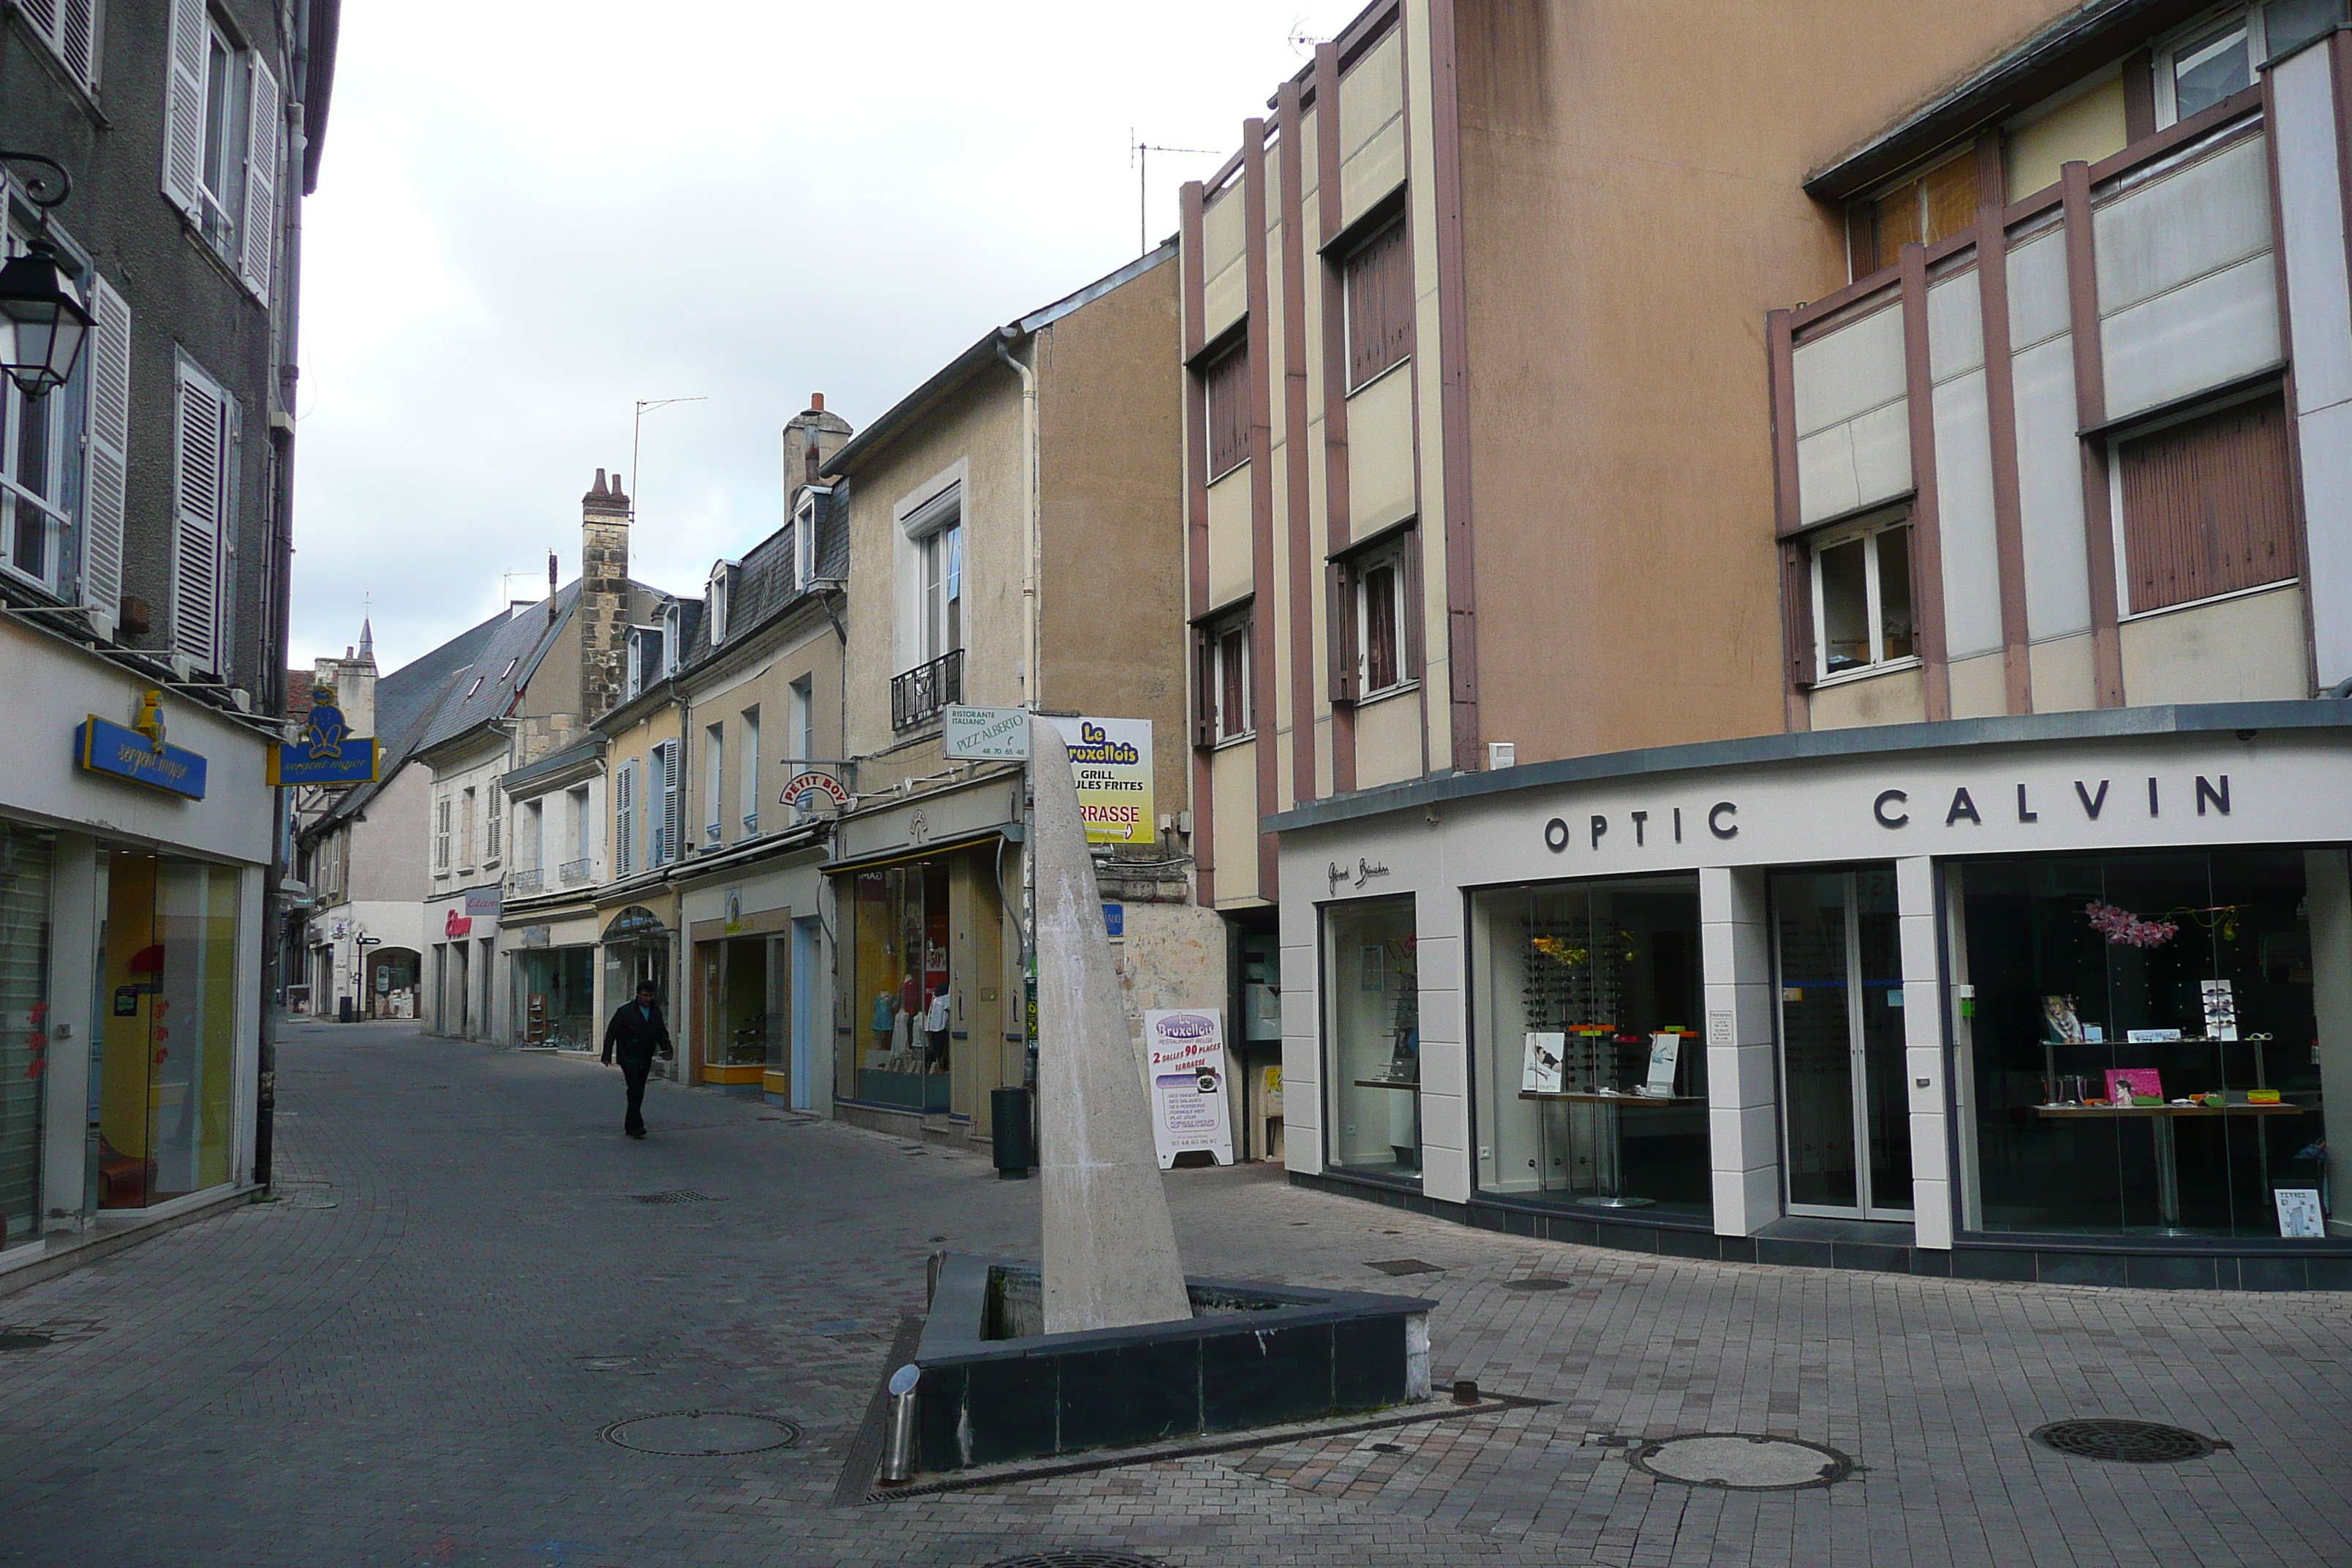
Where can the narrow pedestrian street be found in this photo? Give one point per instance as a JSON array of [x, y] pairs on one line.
[[409, 1356]]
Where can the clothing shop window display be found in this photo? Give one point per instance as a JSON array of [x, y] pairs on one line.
[[2144, 1040], [902, 975], [1372, 1036], [1589, 1076]]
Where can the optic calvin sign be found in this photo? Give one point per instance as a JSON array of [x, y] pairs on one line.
[[1722, 820], [1365, 870], [1893, 806]]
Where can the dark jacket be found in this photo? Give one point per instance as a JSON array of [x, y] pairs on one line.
[[638, 1036]]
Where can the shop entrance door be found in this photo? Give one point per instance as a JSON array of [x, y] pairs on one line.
[[1845, 1120]]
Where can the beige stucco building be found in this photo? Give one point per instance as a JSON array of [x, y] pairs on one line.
[[1013, 543]]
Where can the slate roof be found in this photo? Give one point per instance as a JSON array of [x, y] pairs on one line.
[[761, 586], [405, 702], [499, 668]]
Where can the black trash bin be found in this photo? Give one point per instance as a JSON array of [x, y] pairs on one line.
[[1016, 1147], [345, 1011]]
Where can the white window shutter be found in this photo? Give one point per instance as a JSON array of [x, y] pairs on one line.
[[201, 503], [266, 133], [184, 108], [624, 820], [107, 459], [77, 39]]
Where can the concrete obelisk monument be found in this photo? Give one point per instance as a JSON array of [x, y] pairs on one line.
[[1110, 1248]]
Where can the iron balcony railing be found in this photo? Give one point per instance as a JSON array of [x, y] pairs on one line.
[[572, 873], [922, 691]]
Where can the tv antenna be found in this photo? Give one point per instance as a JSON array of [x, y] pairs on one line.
[[645, 407], [1138, 156]]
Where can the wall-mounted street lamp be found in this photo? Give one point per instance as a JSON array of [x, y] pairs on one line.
[[42, 320]]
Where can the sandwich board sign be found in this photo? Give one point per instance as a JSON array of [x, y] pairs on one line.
[[1186, 1074]]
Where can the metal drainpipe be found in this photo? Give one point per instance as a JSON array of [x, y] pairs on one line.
[[282, 614]]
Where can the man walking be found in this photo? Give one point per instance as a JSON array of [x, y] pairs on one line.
[[636, 1035]]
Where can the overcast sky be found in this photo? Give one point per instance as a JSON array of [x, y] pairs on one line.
[[534, 212]]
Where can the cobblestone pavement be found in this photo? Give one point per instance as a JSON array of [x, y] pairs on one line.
[[410, 1357]]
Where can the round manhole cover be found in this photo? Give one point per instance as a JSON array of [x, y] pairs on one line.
[[1738, 1461], [1077, 1560], [703, 1434], [2133, 1442]]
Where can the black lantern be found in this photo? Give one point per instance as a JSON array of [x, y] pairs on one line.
[[42, 320], [45, 322]]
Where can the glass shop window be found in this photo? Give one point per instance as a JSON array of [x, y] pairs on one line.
[[1371, 1023], [2140, 1042], [901, 988], [1591, 1077]]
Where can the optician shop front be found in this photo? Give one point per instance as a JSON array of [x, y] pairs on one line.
[[132, 864], [2059, 997]]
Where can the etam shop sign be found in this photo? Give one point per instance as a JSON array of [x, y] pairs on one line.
[[1835, 815]]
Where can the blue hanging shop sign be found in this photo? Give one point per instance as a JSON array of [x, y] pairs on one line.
[[327, 752]]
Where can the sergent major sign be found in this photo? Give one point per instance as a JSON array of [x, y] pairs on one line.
[[138, 753], [327, 752]]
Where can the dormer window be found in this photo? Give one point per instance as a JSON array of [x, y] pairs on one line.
[[804, 526], [666, 651], [716, 598]]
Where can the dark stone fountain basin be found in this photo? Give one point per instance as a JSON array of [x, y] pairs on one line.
[[996, 1389]]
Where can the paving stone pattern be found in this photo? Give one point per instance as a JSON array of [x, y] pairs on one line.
[[408, 1357]]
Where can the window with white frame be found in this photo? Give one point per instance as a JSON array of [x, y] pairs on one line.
[[714, 782], [583, 839], [747, 729], [1861, 596], [63, 456], [942, 553], [530, 840], [1223, 698], [716, 597], [224, 137], [2211, 59], [441, 836], [203, 556], [1382, 664], [804, 528], [803, 736]]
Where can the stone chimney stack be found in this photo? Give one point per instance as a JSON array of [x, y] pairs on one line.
[[810, 438], [602, 615]]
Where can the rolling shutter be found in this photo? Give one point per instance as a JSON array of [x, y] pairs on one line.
[[265, 135], [183, 108], [107, 457], [201, 491]]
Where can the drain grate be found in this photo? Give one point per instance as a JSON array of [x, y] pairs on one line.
[[683, 1195], [1538, 1283], [1406, 1265], [703, 1434], [1077, 1560], [2131, 1442], [1742, 1462]]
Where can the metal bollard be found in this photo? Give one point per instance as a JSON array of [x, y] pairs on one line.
[[898, 1435]]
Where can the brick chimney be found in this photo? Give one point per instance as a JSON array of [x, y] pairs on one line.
[[603, 616]]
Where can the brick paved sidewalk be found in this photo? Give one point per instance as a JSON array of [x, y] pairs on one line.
[[409, 1358]]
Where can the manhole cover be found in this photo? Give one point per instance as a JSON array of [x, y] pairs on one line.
[[25, 1340], [1536, 1284], [2133, 1442], [703, 1434], [684, 1195], [1740, 1462], [1077, 1560], [1406, 1265]]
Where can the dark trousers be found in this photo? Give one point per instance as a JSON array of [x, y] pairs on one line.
[[633, 1072]]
